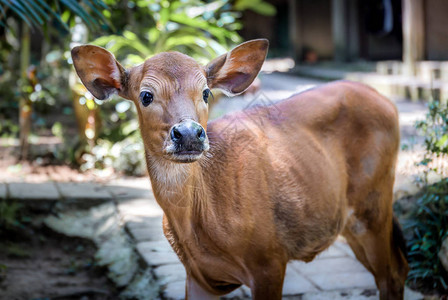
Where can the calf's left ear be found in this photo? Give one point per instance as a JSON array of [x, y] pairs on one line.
[[99, 71], [234, 71]]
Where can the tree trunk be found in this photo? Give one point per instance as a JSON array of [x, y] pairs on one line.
[[25, 107], [88, 119], [413, 34]]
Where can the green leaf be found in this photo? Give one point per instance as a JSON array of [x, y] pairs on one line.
[[53, 13], [265, 9], [219, 33], [95, 11], [164, 17], [443, 142], [79, 10], [34, 9], [19, 11]]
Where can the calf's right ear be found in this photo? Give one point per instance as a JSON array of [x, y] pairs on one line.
[[99, 71]]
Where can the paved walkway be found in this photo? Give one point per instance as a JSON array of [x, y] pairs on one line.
[[333, 274]]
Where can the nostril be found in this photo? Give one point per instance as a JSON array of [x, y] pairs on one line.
[[175, 134], [201, 134]]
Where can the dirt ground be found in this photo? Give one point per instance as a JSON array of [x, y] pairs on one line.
[[36, 263]]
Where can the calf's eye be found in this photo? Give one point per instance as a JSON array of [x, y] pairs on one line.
[[146, 98], [205, 94]]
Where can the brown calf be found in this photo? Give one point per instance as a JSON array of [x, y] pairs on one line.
[[238, 206]]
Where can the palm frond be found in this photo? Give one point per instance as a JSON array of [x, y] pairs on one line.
[[36, 13]]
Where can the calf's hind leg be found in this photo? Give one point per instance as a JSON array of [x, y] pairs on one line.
[[379, 245]]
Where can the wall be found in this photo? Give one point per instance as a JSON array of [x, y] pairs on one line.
[[436, 33], [315, 28]]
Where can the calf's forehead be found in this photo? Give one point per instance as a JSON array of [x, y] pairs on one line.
[[173, 66]]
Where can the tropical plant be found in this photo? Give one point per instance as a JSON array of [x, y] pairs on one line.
[[435, 128], [259, 6], [38, 13], [427, 223], [200, 29], [9, 215]]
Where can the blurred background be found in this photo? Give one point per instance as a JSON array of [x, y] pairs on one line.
[[52, 130], [47, 116]]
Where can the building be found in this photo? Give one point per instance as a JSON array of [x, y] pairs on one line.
[[353, 30]]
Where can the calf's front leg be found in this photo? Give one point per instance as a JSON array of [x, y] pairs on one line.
[[268, 282], [193, 291]]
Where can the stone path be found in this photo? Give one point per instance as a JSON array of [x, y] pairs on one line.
[[334, 273]]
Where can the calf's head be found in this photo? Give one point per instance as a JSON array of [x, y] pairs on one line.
[[171, 92]]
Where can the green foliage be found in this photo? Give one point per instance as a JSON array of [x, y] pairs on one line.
[[8, 106], [258, 6], [435, 128], [3, 271], [9, 215], [194, 27], [119, 145], [428, 221], [429, 225], [36, 13], [15, 250], [126, 156]]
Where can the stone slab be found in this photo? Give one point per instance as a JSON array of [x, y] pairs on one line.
[[342, 244], [83, 191], [350, 294], [132, 182], [155, 256], [236, 294], [33, 191], [138, 221], [246, 291], [155, 259], [156, 246], [131, 188], [339, 281], [332, 252], [144, 222], [3, 191], [174, 290], [170, 273], [139, 208], [328, 265], [143, 234], [296, 284], [357, 294]]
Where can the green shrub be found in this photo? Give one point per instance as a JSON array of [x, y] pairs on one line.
[[427, 224], [9, 215], [435, 128]]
